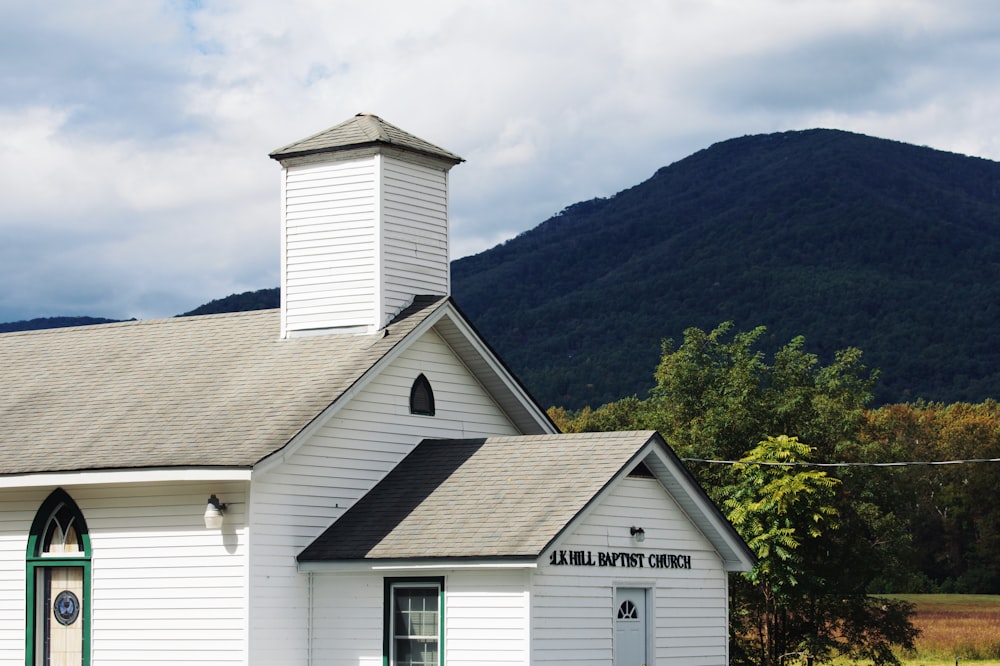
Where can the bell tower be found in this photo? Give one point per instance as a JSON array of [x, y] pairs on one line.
[[364, 226]]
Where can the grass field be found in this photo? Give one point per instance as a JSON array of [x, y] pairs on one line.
[[963, 626]]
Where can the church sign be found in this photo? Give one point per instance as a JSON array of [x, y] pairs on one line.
[[626, 559]]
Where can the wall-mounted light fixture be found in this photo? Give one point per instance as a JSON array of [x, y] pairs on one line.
[[214, 513], [637, 533]]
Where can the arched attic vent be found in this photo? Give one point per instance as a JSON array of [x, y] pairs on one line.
[[421, 397]]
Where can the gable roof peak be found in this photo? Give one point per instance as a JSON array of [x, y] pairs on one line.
[[508, 497], [364, 129]]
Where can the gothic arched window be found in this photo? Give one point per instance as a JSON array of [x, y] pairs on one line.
[[58, 586], [421, 397]]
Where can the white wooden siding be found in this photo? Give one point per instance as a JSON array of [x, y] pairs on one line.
[[165, 590], [362, 237], [573, 606], [18, 510], [295, 502], [415, 238], [330, 218], [485, 617], [347, 621]]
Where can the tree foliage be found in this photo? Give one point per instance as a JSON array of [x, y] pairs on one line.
[[786, 605], [776, 507], [954, 531], [716, 393], [823, 542]]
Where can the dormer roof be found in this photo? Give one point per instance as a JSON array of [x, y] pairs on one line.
[[361, 131], [507, 498]]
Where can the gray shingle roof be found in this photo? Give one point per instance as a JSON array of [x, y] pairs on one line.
[[215, 390], [500, 497], [364, 129]]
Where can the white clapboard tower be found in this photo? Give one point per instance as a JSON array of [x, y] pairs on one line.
[[364, 218]]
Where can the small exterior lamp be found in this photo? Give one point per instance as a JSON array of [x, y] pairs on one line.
[[214, 513], [637, 533]]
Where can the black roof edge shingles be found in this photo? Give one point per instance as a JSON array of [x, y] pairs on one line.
[[378, 512]]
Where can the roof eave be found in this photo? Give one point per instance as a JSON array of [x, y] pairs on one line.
[[701, 510], [93, 477], [505, 387], [418, 564], [690, 497], [278, 456], [282, 155]]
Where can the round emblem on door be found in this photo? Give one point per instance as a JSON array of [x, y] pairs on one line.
[[66, 607]]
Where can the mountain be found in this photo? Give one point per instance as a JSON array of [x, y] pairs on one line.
[[52, 322], [262, 299], [846, 239]]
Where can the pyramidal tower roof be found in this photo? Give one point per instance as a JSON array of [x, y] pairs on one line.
[[363, 130]]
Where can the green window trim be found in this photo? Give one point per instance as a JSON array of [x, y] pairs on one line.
[[391, 586], [57, 504]]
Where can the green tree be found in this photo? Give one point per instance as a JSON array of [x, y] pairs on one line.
[[784, 606], [955, 534], [717, 397]]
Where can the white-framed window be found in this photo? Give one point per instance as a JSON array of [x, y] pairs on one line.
[[414, 621]]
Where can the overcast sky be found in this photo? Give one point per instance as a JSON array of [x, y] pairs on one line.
[[134, 177]]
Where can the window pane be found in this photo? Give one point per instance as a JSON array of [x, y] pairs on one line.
[[54, 539], [416, 611], [416, 625], [61, 535], [416, 652]]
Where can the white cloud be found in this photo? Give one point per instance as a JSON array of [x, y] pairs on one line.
[[134, 154]]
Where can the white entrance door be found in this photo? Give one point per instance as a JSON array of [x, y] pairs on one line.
[[630, 626]]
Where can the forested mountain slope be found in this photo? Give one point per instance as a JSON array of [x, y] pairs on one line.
[[52, 322], [843, 238]]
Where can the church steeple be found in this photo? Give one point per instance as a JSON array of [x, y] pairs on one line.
[[364, 220]]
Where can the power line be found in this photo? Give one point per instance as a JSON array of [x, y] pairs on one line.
[[912, 463]]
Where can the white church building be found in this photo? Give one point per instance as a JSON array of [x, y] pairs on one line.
[[354, 479]]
